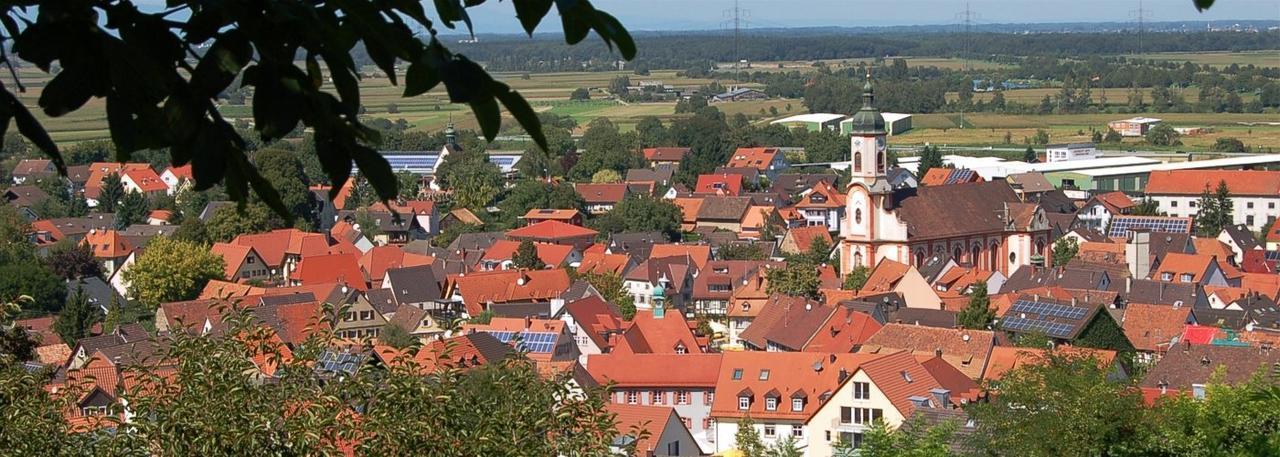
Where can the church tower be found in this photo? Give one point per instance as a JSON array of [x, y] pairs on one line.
[[869, 230]]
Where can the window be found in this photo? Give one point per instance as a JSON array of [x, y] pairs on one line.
[[682, 397], [1193, 204], [706, 423], [673, 448], [366, 315], [656, 397], [1166, 276], [1186, 277], [250, 259], [708, 398], [857, 162], [797, 431], [846, 415], [828, 436], [764, 375], [1248, 220], [633, 397], [744, 403], [864, 415], [1271, 205], [1197, 390], [770, 430], [737, 374], [956, 253], [857, 216], [1173, 204], [1249, 205], [797, 404], [680, 349], [688, 423], [861, 390], [93, 411], [771, 404], [349, 316]]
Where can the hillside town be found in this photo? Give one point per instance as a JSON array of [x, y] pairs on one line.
[[807, 307]]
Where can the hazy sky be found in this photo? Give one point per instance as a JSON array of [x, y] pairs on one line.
[[499, 17]]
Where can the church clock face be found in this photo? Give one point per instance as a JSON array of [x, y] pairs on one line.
[[880, 145], [857, 142]]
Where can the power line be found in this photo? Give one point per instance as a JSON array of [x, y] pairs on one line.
[[738, 18]]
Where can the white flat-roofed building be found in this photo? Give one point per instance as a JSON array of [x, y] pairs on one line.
[[1071, 151]]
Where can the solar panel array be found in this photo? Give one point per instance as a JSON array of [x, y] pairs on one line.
[[507, 163], [339, 362], [962, 175], [1052, 329], [1050, 309], [1271, 256], [419, 162], [535, 342], [1122, 225]]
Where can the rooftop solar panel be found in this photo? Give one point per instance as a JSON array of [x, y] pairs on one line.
[[536, 342], [1122, 225]]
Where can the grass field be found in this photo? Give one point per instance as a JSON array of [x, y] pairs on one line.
[[807, 65], [549, 93], [1115, 96], [1220, 59]]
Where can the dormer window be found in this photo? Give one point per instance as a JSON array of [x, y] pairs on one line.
[[771, 404], [1186, 277], [817, 198], [797, 404], [737, 374], [680, 349], [764, 375], [1166, 276], [744, 402]]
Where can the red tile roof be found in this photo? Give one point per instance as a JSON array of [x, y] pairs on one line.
[[1154, 328], [183, 172], [647, 334], [233, 255], [556, 214], [721, 184], [1005, 358], [787, 375], [644, 423], [601, 263], [553, 255], [610, 193], [833, 198], [665, 154], [596, 318], [344, 268], [378, 260], [967, 350], [146, 179], [551, 230], [698, 253], [1178, 264], [479, 289], [757, 158], [899, 377], [655, 370], [1194, 182], [108, 244], [1117, 202], [803, 237], [273, 245], [99, 171], [228, 290], [844, 330], [885, 277]]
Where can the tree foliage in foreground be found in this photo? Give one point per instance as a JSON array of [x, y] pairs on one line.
[[501, 408], [160, 94], [172, 270]]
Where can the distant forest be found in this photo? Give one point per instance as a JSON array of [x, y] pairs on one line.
[[680, 51]]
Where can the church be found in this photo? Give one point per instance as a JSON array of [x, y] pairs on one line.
[[983, 224]]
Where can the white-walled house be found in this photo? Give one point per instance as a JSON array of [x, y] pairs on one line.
[[1255, 194], [685, 382]]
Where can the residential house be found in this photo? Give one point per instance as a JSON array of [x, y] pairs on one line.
[[746, 302], [500, 256], [739, 94], [1189, 369], [241, 263], [948, 176], [965, 350], [109, 247], [175, 177], [1254, 193], [28, 169], [601, 198], [714, 284], [341, 268], [376, 261], [459, 216], [594, 324], [891, 276], [415, 286], [768, 161], [1060, 320], [1006, 358], [686, 383], [845, 330], [601, 262], [665, 156], [786, 324], [665, 280], [282, 249], [1098, 211], [365, 317], [1240, 239], [98, 171], [792, 184], [822, 205], [779, 391], [555, 232], [724, 213], [890, 389], [1191, 269], [568, 216], [143, 180], [659, 176], [718, 185], [801, 239], [1154, 329], [689, 207], [656, 431], [484, 290], [541, 339]]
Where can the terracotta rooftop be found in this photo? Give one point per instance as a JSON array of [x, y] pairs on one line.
[[1005, 358], [724, 184], [233, 255], [1194, 182], [665, 154], [966, 350], [757, 158], [786, 375], [551, 230], [1154, 328], [479, 289], [343, 268], [551, 254], [596, 194], [655, 370]]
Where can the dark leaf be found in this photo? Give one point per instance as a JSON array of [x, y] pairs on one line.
[[575, 16], [208, 160], [67, 92], [313, 71], [451, 11], [383, 58], [276, 104], [486, 110], [612, 30], [413, 9], [133, 129], [464, 79], [531, 12], [220, 65], [1202, 5], [521, 110], [377, 171], [263, 188], [344, 79], [38, 44], [335, 160], [420, 78], [29, 127]]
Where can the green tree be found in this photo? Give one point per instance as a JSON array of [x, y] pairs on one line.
[[111, 193], [740, 251], [1227, 144], [1225, 207], [913, 439], [161, 99], [748, 439], [580, 94], [610, 286], [172, 270], [15, 346], [473, 179], [229, 222], [1096, 137], [132, 209], [1214, 210], [1064, 250], [641, 214], [606, 176], [409, 185], [857, 277], [526, 257], [452, 232], [604, 148], [786, 447], [1065, 406], [1163, 135], [76, 318], [192, 230], [284, 171], [1029, 156], [977, 315], [1112, 136], [1041, 137], [797, 278], [1147, 207], [15, 246], [73, 261], [33, 279], [395, 336], [367, 223], [930, 158]]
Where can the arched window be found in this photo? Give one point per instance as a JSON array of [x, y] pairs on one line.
[[1040, 247], [975, 254], [957, 253], [857, 259], [919, 256], [857, 216], [882, 161], [994, 255], [857, 162]]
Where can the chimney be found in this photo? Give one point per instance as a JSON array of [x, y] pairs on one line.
[[942, 396], [844, 374], [1138, 253], [528, 322]]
